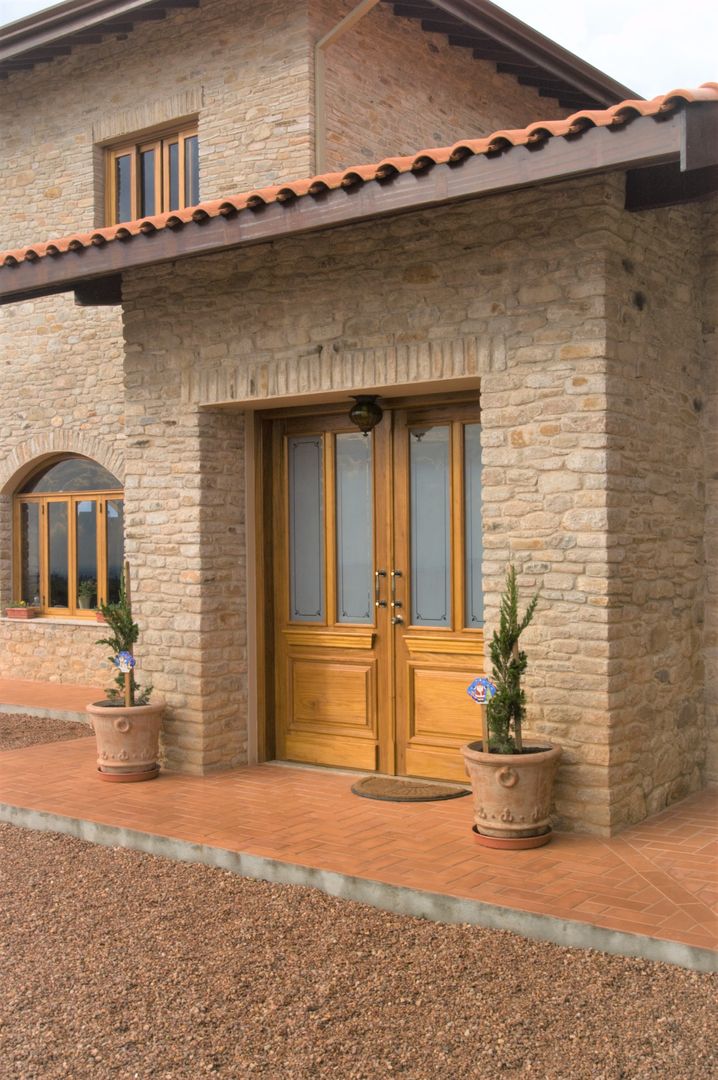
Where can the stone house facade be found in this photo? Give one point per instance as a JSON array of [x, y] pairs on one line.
[[579, 317]]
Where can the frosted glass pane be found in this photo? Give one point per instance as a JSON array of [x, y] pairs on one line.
[[354, 528], [430, 527], [472, 503], [306, 532]]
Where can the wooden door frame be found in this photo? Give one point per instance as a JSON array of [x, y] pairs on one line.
[[262, 495]]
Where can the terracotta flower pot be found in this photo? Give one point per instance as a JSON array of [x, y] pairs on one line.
[[512, 794], [127, 740], [21, 613]]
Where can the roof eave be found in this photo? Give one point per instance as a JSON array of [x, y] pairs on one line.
[[645, 141], [508, 30]]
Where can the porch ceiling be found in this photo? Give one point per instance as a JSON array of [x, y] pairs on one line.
[[680, 128]]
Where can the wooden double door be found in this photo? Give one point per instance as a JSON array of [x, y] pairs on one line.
[[377, 589]]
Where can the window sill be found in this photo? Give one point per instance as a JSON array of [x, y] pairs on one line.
[[44, 620]]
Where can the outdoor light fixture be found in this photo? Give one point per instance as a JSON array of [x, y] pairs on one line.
[[366, 414]]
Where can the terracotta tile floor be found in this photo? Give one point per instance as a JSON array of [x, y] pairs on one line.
[[65, 697], [657, 879]]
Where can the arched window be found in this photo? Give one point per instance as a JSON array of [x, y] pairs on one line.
[[69, 529]]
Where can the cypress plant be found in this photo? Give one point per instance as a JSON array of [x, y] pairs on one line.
[[506, 709], [124, 633]]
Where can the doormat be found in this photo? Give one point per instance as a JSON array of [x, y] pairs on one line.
[[399, 789]]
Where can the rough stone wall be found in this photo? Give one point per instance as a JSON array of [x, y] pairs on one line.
[[656, 508], [242, 67], [709, 275], [392, 88], [184, 491], [523, 285]]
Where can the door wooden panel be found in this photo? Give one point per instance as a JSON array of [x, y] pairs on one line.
[[333, 700], [332, 711], [438, 646], [386, 691]]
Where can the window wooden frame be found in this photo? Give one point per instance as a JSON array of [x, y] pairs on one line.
[[160, 143], [71, 499]]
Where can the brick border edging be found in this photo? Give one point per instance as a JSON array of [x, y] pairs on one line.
[[398, 899]]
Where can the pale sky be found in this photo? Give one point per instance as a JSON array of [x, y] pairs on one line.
[[652, 46]]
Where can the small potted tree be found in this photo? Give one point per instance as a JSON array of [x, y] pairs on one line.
[[512, 783], [126, 725], [86, 593]]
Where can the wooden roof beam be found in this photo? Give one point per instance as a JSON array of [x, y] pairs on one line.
[[641, 143]]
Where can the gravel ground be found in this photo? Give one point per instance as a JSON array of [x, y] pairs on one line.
[[18, 730], [122, 965], [119, 965]]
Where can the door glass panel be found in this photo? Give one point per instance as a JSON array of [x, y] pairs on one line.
[[123, 188], [474, 548], [191, 171], [30, 553], [306, 529], [430, 526], [115, 548], [86, 532], [148, 195], [354, 528], [173, 161], [57, 554]]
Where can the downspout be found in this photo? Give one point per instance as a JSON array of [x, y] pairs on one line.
[[320, 104]]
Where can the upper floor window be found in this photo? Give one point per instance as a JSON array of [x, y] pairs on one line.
[[69, 538], [152, 176]]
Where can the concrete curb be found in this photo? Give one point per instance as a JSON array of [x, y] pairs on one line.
[[398, 899], [54, 714]]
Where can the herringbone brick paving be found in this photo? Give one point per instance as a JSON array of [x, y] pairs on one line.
[[657, 879]]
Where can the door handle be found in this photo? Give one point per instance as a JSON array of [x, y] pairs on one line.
[[396, 619], [378, 575], [394, 602]]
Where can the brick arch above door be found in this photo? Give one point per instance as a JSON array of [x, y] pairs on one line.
[[28, 455]]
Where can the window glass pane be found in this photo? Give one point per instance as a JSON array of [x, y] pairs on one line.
[[30, 553], [306, 531], [191, 171], [115, 548], [57, 523], [173, 159], [430, 527], [148, 196], [354, 528], [86, 540], [73, 474], [472, 502], [123, 188]]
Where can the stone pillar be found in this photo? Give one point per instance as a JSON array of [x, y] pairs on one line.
[[185, 544], [709, 277], [655, 509], [544, 437]]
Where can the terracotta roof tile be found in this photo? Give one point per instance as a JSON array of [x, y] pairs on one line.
[[379, 172]]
